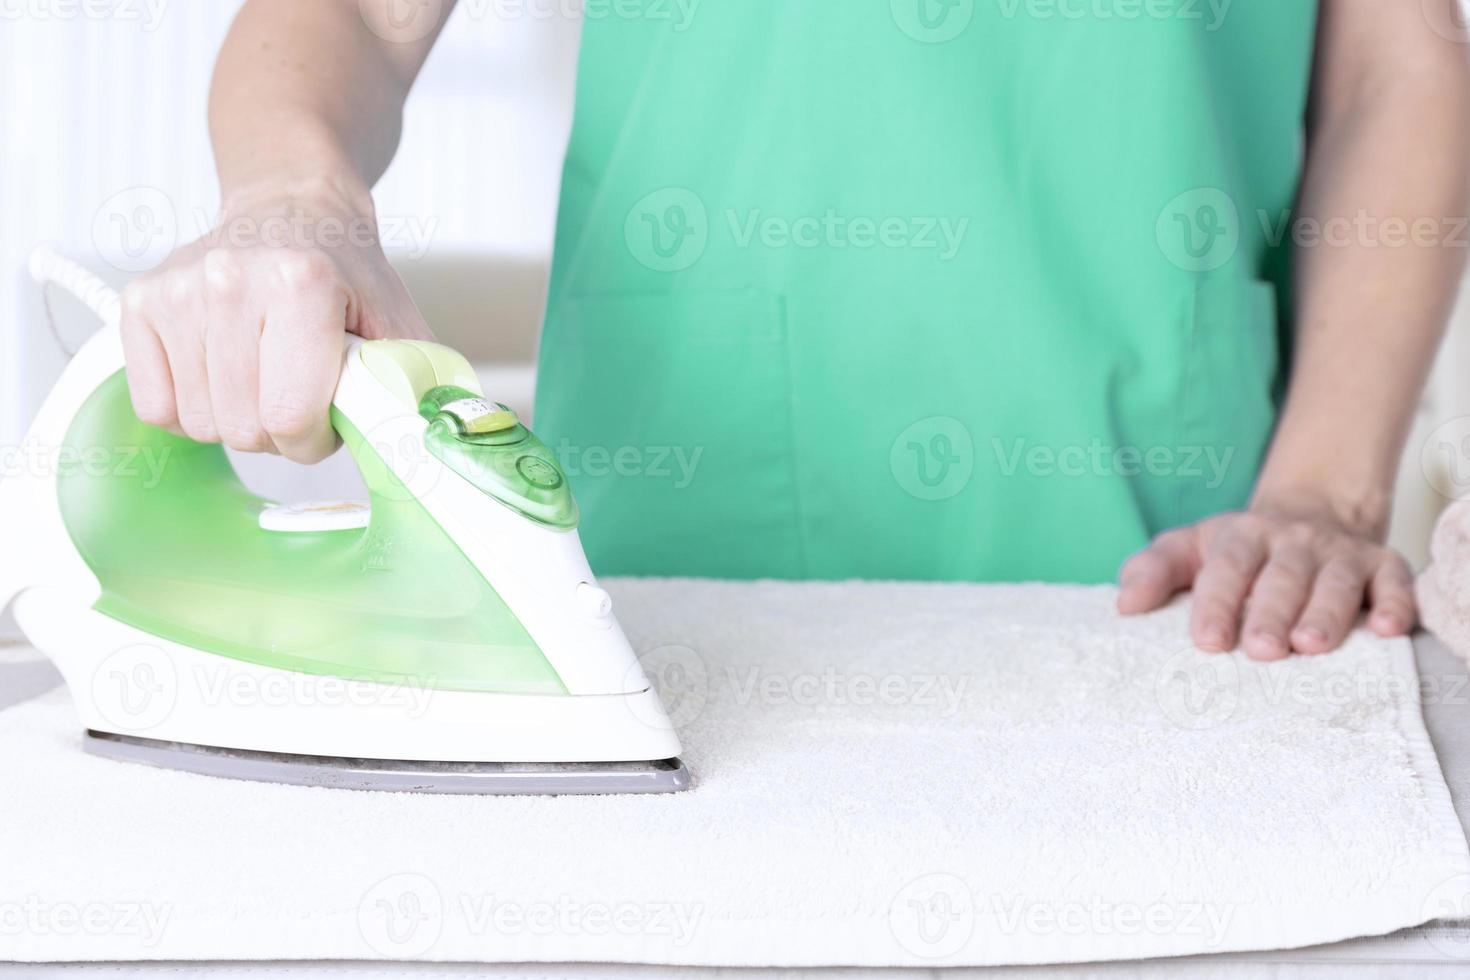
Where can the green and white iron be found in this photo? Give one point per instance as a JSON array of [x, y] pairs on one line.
[[445, 636]]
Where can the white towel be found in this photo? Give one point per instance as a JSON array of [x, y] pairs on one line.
[[885, 774]]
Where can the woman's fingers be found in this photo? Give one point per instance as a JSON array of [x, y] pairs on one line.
[[1276, 599], [149, 383], [232, 355], [1233, 558], [238, 336], [1165, 567], [1391, 597], [178, 325], [1297, 584], [1337, 597], [300, 358]]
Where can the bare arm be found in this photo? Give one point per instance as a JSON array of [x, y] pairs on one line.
[[1388, 134], [306, 93], [1379, 254], [237, 337]]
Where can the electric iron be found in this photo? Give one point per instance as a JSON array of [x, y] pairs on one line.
[[446, 636]]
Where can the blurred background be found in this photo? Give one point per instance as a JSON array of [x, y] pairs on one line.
[[105, 153]]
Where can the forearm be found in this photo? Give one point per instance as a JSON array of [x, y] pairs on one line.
[[1379, 255], [306, 96]]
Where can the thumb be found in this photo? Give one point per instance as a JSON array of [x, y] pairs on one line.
[[390, 312]]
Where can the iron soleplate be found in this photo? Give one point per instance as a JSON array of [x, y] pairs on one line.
[[470, 778]]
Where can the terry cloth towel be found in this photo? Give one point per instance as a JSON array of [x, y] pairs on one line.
[[885, 774]]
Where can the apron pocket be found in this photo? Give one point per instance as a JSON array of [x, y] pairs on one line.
[[671, 414]]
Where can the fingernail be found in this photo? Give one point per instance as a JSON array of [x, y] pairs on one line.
[[1213, 638], [1391, 623], [1262, 642], [1312, 634]]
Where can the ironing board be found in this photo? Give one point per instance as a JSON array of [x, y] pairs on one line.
[[1440, 948]]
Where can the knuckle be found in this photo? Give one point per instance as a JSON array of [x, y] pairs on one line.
[[1237, 556], [1399, 605], [1293, 565], [1247, 523], [306, 269], [154, 410], [1340, 578], [1300, 535], [1146, 562], [1395, 572], [222, 272], [136, 298], [1266, 613], [1214, 609], [287, 417], [242, 433], [1177, 537], [179, 288], [198, 425]]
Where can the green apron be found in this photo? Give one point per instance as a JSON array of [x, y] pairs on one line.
[[919, 289]]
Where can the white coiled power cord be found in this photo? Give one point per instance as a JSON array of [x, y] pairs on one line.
[[49, 267]]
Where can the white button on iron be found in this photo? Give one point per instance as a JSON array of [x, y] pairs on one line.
[[594, 603], [326, 515]]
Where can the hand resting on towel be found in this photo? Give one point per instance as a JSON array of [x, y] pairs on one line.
[[1275, 578]]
